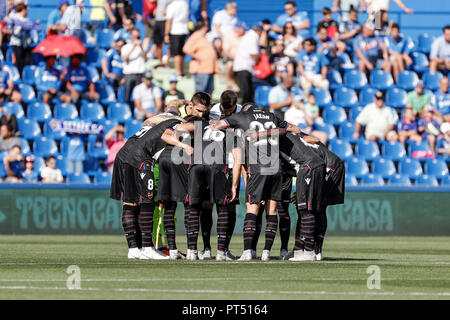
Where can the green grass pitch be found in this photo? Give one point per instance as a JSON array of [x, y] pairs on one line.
[[34, 267]]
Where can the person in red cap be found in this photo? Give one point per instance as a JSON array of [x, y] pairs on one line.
[[29, 175]]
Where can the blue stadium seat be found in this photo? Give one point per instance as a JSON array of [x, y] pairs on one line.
[[323, 96], [2, 165], [108, 124], [45, 147], [121, 94], [94, 57], [39, 163], [345, 97], [96, 149], [29, 128], [334, 115], [14, 74], [396, 98], [446, 180], [346, 130], [61, 164], [373, 180], [410, 167], [383, 167], [106, 92], [407, 80], [335, 79], [29, 75], [92, 112], [381, 79], [25, 146], [14, 108], [105, 38], [399, 180], [428, 181], [27, 91], [415, 146], [81, 178], [93, 73], [50, 133], [342, 148], [437, 168], [357, 167], [132, 126], [355, 79], [353, 114], [328, 129], [102, 177], [65, 111], [39, 111], [350, 180], [366, 96], [119, 111], [432, 80], [420, 62], [393, 150], [262, 95], [367, 150], [345, 63], [424, 42]]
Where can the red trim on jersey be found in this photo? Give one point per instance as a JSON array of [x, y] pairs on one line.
[[141, 165], [309, 206], [308, 166], [225, 201], [228, 124], [249, 199], [186, 200], [330, 169]]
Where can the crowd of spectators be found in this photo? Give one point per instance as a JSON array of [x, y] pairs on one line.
[[289, 55]]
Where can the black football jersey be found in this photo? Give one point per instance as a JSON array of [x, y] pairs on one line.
[[301, 152], [331, 160], [209, 146]]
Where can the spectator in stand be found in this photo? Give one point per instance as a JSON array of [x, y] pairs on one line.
[[366, 47], [173, 93], [7, 138], [440, 52], [329, 24], [204, 59], [176, 32], [312, 66], [265, 40], [280, 63], [78, 82], [418, 99], [158, 32], [14, 164], [399, 48], [442, 100], [292, 41], [97, 15], [112, 65], [198, 10], [300, 20], [230, 47], [56, 15], [329, 47], [48, 80], [407, 128], [133, 57], [115, 140], [75, 154], [375, 9], [70, 23], [9, 120], [21, 39], [345, 6], [7, 92], [378, 119], [247, 55], [29, 175], [125, 32], [281, 97], [312, 109], [443, 144], [223, 22], [350, 28], [429, 128], [118, 11], [147, 98], [49, 173]]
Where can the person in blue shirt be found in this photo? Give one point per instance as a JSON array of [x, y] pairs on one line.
[[112, 65], [29, 175], [312, 66], [48, 81], [125, 32], [7, 92], [367, 49], [198, 9], [329, 46], [75, 154], [348, 30], [299, 19], [14, 165], [78, 82], [407, 128], [441, 101], [399, 47], [429, 128]]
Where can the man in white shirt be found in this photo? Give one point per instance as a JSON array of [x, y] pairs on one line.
[[176, 31], [375, 9], [49, 173], [440, 51], [147, 98], [223, 21], [133, 56], [378, 119], [247, 56], [71, 20]]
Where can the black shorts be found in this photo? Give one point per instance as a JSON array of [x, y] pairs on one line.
[[146, 183], [310, 184], [263, 187], [124, 184], [158, 32], [206, 183], [173, 181], [176, 44], [335, 185], [286, 187]]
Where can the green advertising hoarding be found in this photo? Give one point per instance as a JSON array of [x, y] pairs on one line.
[[90, 211]]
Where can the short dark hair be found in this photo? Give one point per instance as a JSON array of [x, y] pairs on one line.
[[248, 105], [320, 27], [291, 2], [132, 20], [312, 41], [395, 26], [352, 9], [326, 10], [266, 21], [228, 99], [49, 158], [193, 119], [201, 98], [311, 94], [447, 27], [201, 24]]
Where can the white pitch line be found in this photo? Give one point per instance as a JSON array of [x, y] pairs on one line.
[[225, 279], [144, 290]]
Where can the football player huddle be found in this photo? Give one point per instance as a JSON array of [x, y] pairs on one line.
[[201, 151]]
